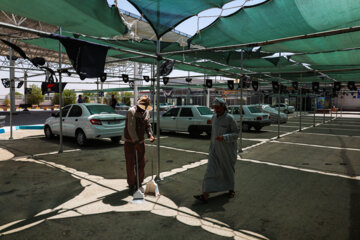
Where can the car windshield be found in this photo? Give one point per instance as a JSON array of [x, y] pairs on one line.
[[254, 109], [205, 111], [97, 109]]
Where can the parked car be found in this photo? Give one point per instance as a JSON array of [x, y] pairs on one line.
[[120, 108], [87, 121], [252, 117], [284, 108], [192, 119], [274, 114]]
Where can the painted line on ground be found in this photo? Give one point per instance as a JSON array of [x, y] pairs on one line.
[[276, 137], [330, 135], [178, 149], [318, 146], [53, 153], [300, 169], [342, 129]]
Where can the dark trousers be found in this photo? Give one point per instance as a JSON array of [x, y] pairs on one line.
[[130, 157]]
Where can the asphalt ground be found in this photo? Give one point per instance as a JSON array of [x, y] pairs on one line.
[[31, 117], [303, 185]]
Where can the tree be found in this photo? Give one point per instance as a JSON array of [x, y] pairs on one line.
[[69, 97], [126, 96], [18, 94], [36, 97]]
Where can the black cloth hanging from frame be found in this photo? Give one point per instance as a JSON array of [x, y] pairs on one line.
[[88, 59]]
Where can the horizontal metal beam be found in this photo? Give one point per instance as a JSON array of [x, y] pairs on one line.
[[264, 43], [46, 34]]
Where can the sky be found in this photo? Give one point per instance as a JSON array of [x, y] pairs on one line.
[[189, 27]]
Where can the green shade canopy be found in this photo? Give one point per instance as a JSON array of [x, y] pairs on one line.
[[277, 19], [91, 17], [349, 57], [318, 44], [164, 15]]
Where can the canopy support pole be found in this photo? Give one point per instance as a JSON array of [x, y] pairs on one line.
[[12, 88], [25, 87], [300, 99], [331, 108], [324, 101], [278, 120], [315, 109], [97, 89], [158, 177], [60, 98], [337, 105], [102, 92], [341, 108], [241, 104], [136, 71]]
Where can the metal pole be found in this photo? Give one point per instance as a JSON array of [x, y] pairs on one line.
[[330, 108], [337, 105], [136, 71], [278, 120], [97, 89], [324, 101], [300, 98], [12, 88], [158, 178], [25, 87], [315, 109], [341, 109], [102, 92], [241, 104], [60, 98]]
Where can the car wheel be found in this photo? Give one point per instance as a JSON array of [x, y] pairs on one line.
[[194, 132], [116, 140], [48, 132], [81, 138], [258, 128], [286, 111], [245, 127]]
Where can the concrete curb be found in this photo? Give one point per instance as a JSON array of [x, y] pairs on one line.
[[28, 127]]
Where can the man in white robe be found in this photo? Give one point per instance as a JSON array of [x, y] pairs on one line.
[[219, 175]]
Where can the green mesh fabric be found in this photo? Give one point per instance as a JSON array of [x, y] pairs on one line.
[[91, 17], [346, 76], [53, 44], [279, 19], [319, 44], [196, 69], [350, 57], [144, 46], [164, 15]]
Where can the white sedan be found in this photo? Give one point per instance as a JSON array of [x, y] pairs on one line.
[[251, 117], [274, 114], [87, 121], [192, 119], [284, 108]]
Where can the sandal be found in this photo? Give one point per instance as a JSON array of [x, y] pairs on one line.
[[201, 198], [230, 194]]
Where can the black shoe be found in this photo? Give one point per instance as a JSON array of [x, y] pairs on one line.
[[201, 198], [132, 189]]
